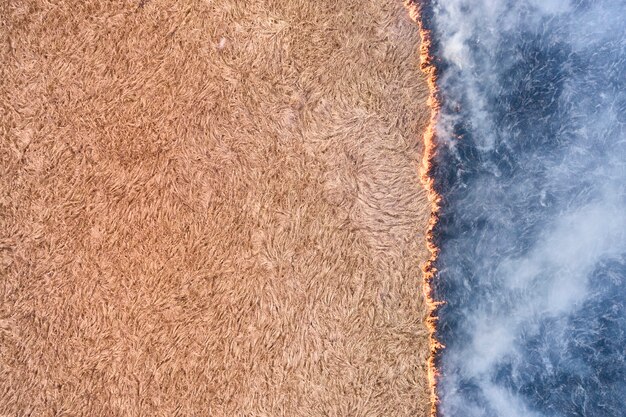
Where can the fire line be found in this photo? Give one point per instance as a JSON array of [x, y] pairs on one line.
[[415, 8]]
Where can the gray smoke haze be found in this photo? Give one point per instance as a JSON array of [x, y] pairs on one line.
[[533, 233]]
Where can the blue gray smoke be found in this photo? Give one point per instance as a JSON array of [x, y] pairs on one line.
[[531, 165]]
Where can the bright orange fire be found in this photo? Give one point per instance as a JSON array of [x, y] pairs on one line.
[[429, 144]]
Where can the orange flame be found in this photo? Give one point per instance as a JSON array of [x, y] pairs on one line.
[[429, 269]]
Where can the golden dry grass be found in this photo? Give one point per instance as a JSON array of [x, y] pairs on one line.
[[211, 208]]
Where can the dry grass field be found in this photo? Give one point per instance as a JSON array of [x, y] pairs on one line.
[[211, 208]]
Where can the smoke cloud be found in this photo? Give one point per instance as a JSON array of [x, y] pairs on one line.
[[531, 166]]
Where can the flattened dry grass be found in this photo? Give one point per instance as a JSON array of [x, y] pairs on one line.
[[211, 208]]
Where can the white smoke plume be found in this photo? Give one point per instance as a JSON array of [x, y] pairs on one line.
[[533, 235]]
